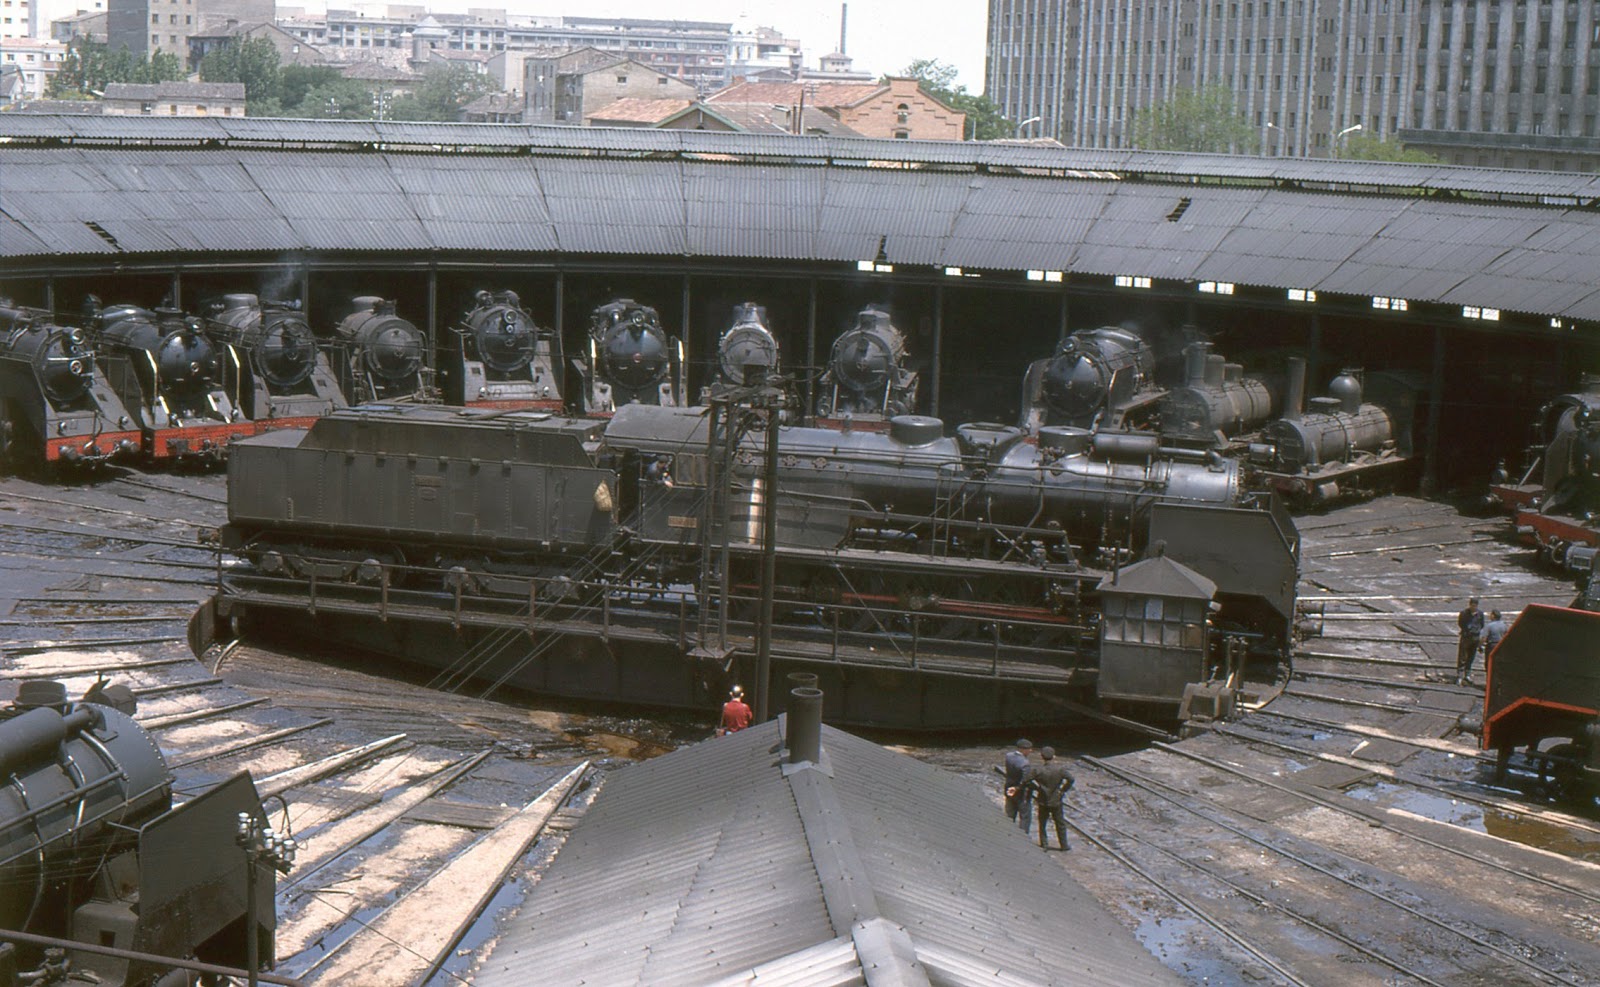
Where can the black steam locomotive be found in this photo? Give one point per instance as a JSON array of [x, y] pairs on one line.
[[55, 405], [631, 360], [1561, 511], [173, 378], [283, 380], [1097, 378], [498, 357], [93, 854], [934, 581], [747, 344], [380, 354], [867, 379]]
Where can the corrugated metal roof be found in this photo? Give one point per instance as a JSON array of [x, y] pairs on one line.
[[702, 866], [779, 197]]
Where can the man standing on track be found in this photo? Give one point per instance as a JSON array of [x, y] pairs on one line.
[[1050, 781], [1019, 799], [1470, 621]]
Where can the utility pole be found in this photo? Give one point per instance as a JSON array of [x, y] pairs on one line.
[[261, 846], [770, 395]]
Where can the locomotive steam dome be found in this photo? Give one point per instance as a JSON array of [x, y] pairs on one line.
[[633, 349], [748, 343], [865, 358]]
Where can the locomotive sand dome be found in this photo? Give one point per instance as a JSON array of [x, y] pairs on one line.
[[619, 558], [284, 380], [383, 353], [54, 407]]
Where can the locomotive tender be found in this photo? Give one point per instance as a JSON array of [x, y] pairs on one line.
[[284, 380], [55, 407], [497, 357], [933, 581], [93, 852]]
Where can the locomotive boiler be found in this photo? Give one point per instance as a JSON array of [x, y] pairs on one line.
[[631, 360], [1216, 401], [907, 564], [1561, 511], [284, 379], [747, 344], [172, 378], [1335, 445], [381, 356], [55, 407], [1096, 378], [93, 854], [498, 357], [867, 379]]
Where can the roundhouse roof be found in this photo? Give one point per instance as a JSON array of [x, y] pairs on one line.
[[1513, 240]]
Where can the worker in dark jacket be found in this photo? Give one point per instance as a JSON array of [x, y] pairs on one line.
[[1493, 632], [1019, 798], [1470, 621], [1049, 781]]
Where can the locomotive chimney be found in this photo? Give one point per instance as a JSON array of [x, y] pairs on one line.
[[1194, 359], [1294, 395], [1214, 364], [804, 733]]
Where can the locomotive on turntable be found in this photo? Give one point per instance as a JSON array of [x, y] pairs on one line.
[[631, 359], [56, 406], [498, 357], [868, 380], [284, 379], [1556, 501]]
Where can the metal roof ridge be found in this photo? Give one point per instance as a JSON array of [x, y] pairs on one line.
[[888, 956]]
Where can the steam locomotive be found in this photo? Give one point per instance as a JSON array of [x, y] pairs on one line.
[[1561, 512], [935, 581], [497, 357], [381, 355], [867, 379], [93, 854], [1216, 402], [631, 360], [283, 380], [173, 378], [1342, 443], [1096, 378], [747, 344], [55, 407]]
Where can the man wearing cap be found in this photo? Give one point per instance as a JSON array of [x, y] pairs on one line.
[[1493, 632], [1049, 781], [735, 714], [1470, 621], [1019, 799]]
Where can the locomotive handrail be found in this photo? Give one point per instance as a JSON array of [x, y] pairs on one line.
[[153, 959]]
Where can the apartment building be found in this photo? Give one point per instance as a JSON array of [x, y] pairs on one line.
[[1510, 83]]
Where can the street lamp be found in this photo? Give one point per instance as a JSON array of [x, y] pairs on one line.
[[1340, 136], [1024, 123]]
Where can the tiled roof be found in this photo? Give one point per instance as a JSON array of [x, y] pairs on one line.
[[636, 109]]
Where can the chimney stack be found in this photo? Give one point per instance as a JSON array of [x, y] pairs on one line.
[[1294, 396], [805, 725]]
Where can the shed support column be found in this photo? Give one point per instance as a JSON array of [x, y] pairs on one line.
[[811, 346], [1430, 462], [561, 319], [177, 288], [937, 363], [685, 335], [1314, 350], [1063, 331], [305, 289], [50, 293], [433, 316]]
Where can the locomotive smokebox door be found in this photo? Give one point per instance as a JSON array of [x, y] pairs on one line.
[[1153, 636]]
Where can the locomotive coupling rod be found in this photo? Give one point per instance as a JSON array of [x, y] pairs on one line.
[[152, 958]]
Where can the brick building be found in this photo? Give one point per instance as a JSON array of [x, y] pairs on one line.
[[571, 86], [897, 109], [1481, 82]]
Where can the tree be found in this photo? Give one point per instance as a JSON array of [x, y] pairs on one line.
[[985, 121], [294, 81], [88, 67], [252, 61], [1203, 120], [1362, 146], [442, 93], [341, 99]]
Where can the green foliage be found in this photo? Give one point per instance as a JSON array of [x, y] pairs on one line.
[[252, 61], [88, 67], [294, 81], [1203, 120], [441, 95], [985, 121], [340, 99], [1362, 146]]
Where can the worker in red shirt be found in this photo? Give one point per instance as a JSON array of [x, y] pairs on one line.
[[735, 714]]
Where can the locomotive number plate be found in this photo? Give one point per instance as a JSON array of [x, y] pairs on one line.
[[679, 521]]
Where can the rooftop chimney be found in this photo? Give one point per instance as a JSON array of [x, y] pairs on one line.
[[805, 725], [844, 13]]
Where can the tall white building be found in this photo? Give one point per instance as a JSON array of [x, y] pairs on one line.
[[19, 19]]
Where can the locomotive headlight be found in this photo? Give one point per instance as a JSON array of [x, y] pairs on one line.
[[77, 337], [76, 367], [122, 421], [61, 428]]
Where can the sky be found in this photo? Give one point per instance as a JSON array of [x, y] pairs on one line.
[[883, 35]]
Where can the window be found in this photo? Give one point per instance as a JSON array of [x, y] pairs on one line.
[[622, 80]]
